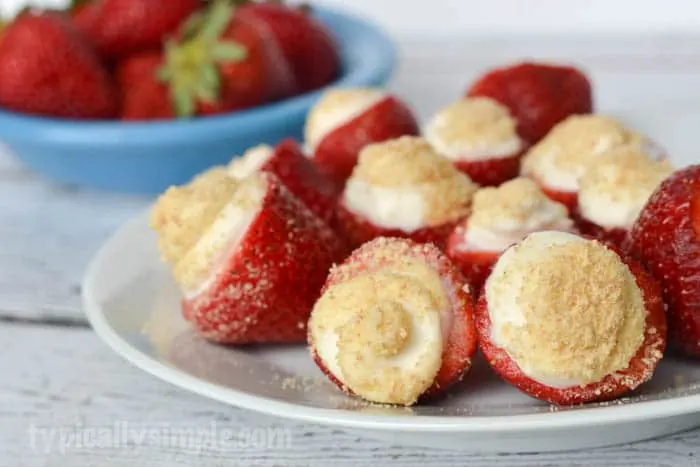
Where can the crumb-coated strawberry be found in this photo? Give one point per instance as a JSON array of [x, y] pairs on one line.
[[249, 257], [403, 188], [589, 323], [539, 95], [303, 179], [475, 265], [344, 121], [405, 312], [665, 238]]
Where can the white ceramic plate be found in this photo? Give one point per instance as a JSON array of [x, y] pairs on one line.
[[133, 304]]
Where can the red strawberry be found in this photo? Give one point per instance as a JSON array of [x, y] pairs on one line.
[[640, 369], [378, 260], [47, 69], [299, 175], [491, 172], [666, 239], [616, 237], [358, 230], [475, 265], [306, 44], [538, 95], [143, 96], [567, 198], [381, 118], [264, 290], [222, 63], [118, 28]]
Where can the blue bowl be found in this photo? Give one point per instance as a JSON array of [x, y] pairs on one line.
[[148, 157]]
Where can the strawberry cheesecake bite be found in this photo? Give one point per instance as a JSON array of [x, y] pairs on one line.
[[479, 136], [346, 120], [569, 320], [249, 257], [538, 95], [666, 238], [403, 188], [614, 190], [558, 161], [501, 217], [301, 177], [394, 324]]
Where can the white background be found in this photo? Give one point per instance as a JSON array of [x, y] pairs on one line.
[[436, 18]]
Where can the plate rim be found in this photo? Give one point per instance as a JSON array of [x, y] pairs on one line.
[[609, 415]]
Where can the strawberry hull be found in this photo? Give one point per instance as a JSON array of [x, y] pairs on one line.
[[641, 367], [303, 179], [357, 230], [461, 342], [491, 172], [268, 282], [665, 238], [337, 153]]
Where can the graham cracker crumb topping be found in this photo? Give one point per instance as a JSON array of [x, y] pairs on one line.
[[625, 175], [583, 316], [193, 221], [571, 143], [411, 163], [514, 202], [387, 325], [476, 123]]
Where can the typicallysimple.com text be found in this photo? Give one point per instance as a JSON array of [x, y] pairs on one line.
[[125, 435]]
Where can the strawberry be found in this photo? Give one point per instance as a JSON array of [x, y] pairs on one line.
[[491, 172], [47, 69], [614, 236], [358, 230], [118, 28], [365, 278], [306, 44], [299, 175], [474, 264], [143, 96], [265, 287], [222, 63], [538, 95], [641, 366], [345, 121], [666, 239]]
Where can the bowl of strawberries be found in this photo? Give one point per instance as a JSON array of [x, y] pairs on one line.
[[134, 96]]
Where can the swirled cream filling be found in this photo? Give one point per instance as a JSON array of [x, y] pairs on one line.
[[502, 216], [567, 310], [614, 190], [474, 129], [404, 184], [198, 223], [563, 156], [335, 109], [382, 334]]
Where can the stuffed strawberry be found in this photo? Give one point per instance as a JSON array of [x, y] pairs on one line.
[[403, 188], [306, 44], [249, 257], [299, 175], [346, 120], [118, 28], [538, 95], [479, 136], [614, 190], [394, 323], [558, 162], [569, 320], [501, 217], [46, 68], [666, 237]]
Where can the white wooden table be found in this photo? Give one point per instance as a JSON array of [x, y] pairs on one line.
[[67, 400]]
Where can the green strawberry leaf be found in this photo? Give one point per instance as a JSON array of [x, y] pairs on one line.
[[228, 52], [217, 21], [183, 102]]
